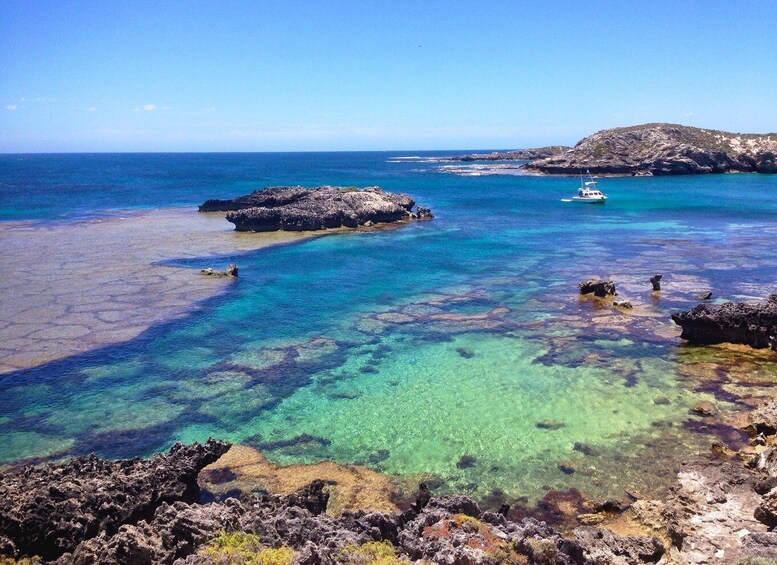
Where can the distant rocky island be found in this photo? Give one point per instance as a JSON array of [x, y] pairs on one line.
[[296, 208], [651, 149], [516, 155]]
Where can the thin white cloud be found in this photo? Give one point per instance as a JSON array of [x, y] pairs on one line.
[[91, 109], [12, 107], [146, 108]]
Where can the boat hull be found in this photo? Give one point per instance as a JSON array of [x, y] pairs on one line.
[[589, 200]]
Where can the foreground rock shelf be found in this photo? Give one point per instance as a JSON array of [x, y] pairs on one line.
[[90, 510], [295, 208]]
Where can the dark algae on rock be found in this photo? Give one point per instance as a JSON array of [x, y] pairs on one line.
[[296, 208]]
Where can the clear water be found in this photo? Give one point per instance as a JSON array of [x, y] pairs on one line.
[[409, 348]]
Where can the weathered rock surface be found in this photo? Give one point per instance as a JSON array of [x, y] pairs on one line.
[[749, 324], [49, 510], [598, 287], [516, 155], [664, 149], [145, 511], [295, 208]]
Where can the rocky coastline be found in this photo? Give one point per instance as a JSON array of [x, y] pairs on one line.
[[723, 509], [296, 208], [649, 150]]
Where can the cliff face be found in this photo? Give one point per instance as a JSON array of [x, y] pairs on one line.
[[664, 149]]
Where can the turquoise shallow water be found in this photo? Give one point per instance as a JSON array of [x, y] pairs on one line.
[[454, 350]]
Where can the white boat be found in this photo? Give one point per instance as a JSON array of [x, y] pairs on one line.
[[589, 192]]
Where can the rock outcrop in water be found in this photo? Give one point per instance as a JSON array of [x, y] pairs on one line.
[[49, 510], [598, 287], [295, 208], [515, 155], [664, 149], [749, 324]]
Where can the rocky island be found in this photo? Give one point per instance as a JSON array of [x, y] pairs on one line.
[[649, 149], [296, 208]]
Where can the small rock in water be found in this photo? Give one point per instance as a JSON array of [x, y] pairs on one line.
[[550, 425], [622, 304], [465, 352], [466, 462], [655, 280], [705, 408], [705, 296], [566, 467], [584, 448], [599, 287], [230, 271]]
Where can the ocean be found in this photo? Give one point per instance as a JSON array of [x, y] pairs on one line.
[[455, 351]]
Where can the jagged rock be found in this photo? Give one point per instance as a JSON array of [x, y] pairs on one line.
[[766, 512], [655, 280], [599, 287], [759, 545], [295, 208], [422, 213], [603, 546], [625, 304], [709, 509], [663, 149], [49, 510], [763, 420], [705, 296], [750, 324]]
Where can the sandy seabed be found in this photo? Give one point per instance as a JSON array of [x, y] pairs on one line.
[[68, 288]]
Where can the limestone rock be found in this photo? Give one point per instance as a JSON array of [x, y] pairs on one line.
[[49, 510], [598, 287], [749, 324], [295, 208]]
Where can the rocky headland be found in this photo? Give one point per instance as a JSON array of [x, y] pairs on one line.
[[747, 324], [515, 155], [664, 149], [296, 208]]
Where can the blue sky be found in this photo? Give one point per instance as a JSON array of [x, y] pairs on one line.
[[360, 75]]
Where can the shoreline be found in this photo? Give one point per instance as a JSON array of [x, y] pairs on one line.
[[111, 293]]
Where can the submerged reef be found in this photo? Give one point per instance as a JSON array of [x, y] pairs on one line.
[[296, 208], [748, 324]]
